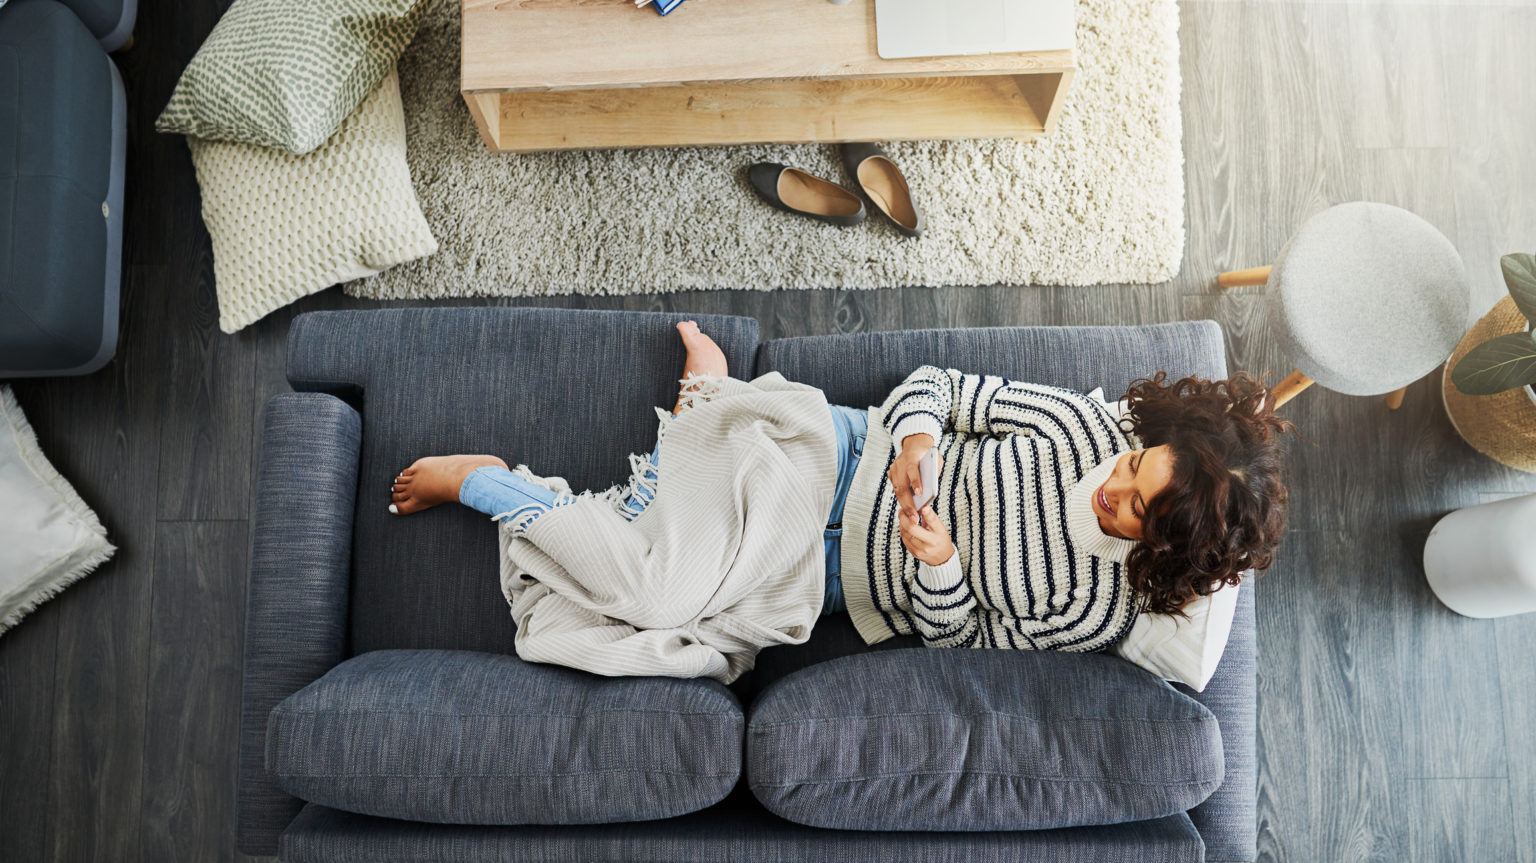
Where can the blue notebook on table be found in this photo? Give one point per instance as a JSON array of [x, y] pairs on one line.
[[665, 6]]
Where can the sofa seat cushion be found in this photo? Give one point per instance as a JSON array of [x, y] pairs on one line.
[[986, 739], [457, 737]]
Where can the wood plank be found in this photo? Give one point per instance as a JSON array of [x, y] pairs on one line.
[[193, 724], [485, 108], [1110, 305], [1326, 794], [1491, 169], [1516, 640], [560, 44], [1046, 94], [1267, 129], [1397, 76], [109, 448], [1460, 819], [204, 440], [885, 109]]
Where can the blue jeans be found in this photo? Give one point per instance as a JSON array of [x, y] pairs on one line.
[[501, 494]]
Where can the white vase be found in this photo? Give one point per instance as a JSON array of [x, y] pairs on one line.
[[1481, 561]]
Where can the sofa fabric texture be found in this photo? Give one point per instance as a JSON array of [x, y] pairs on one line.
[[737, 829], [296, 603], [457, 737], [285, 73], [521, 382], [992, 739], [285, 226]]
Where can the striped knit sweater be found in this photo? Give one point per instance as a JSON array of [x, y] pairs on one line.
[[1032, 570]]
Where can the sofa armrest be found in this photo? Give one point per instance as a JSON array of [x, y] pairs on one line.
[[296, 607]]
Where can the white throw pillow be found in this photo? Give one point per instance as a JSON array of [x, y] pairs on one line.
[[1169, 646], [49, 538], [1186, 651], [287, 226]]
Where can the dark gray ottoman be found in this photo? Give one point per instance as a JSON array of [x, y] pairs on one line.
[[63, 137]]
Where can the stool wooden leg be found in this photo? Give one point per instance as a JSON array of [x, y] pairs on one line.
[[1289, 388], [1239, 278], [1394, 399]]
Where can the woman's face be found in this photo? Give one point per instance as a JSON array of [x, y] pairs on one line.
[[1139, 476]]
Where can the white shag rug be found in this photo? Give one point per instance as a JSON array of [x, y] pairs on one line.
[[1100, 201]]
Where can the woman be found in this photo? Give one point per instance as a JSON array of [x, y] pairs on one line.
[[1065, 522]]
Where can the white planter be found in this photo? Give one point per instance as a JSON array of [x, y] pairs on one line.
[[1481, 561]]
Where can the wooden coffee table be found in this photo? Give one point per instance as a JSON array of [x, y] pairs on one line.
[[571, 74]]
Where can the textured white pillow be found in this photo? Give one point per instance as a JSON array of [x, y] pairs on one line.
[[1169, 646], [1187, 651], [286, 226], [49, 538]]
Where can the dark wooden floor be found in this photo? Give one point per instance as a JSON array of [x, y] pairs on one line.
[[1389, 728]]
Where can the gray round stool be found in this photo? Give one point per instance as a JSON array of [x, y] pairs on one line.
[[1365, 299]]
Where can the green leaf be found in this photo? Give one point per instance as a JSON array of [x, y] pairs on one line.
[[1520, 277], [1497, 365]]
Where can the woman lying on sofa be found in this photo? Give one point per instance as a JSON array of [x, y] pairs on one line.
[[1066, 523]]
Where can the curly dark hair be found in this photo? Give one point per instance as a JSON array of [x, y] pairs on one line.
[[1223, 512]]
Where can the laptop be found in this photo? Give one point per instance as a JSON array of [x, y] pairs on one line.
[[938, 28]]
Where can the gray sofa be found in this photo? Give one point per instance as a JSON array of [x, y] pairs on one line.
[[344, 595]]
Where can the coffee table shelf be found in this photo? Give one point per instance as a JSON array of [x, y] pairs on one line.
[[569, 74]]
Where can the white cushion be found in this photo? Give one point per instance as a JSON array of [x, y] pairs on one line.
[[1186, 651], [286, 226], [1169, 646], [49, 538]]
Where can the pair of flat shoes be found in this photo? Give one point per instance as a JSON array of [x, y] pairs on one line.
[[877, 177]]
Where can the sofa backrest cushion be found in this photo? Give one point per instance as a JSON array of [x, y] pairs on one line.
[[984, 739], [860, 369], [567, 392], [456, 737]]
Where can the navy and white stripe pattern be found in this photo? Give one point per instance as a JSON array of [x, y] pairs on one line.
[[1031, 570]]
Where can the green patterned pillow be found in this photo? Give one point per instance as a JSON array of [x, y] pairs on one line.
[[285, 73]]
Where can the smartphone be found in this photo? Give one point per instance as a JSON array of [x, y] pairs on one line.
[[928, 475]]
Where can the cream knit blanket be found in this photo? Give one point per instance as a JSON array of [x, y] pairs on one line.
[[726, 559]]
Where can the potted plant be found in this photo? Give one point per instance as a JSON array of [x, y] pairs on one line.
[[1488, 387]]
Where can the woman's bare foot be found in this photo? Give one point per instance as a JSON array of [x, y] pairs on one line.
[[704, 356], [434, 480]]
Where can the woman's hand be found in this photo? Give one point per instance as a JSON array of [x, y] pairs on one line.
[[929, 541], [904, 473]]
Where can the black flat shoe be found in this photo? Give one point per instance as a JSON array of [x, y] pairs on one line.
[[794, 191], [877, 177]]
